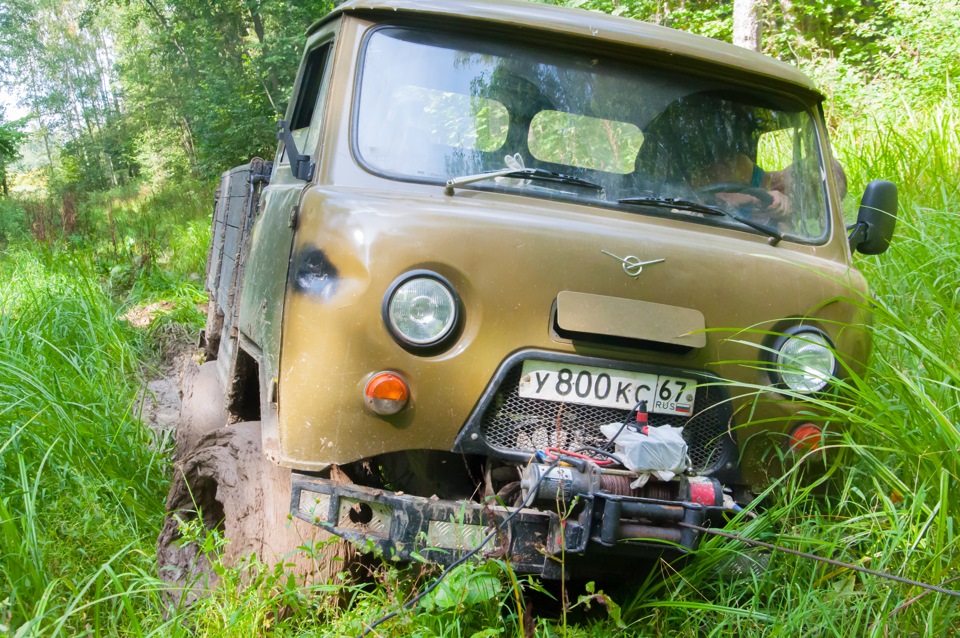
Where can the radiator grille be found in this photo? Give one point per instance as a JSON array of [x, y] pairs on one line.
[[515, 423]]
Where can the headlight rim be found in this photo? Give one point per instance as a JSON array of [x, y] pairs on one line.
[[439, 344], [776, 370]]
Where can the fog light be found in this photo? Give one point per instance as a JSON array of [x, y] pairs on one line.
[[386, 393], [806, 438]]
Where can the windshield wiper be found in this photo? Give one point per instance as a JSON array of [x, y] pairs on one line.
[[521, 173], [695, 207]]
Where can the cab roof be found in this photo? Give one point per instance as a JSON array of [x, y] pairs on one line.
[[583, 24]]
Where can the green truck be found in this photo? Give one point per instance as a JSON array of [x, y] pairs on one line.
[[521, 280]]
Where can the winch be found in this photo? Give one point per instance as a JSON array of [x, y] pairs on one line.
[[560, 483]]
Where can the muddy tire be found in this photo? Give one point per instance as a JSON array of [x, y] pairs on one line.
[[203, 409], [229, 485]]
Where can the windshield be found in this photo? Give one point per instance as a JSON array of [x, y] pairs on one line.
[[433, 107]]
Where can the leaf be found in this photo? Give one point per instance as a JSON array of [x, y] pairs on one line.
[[465, 586], [595, 596]]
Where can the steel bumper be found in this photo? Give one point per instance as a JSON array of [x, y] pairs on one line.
[[535, 541]]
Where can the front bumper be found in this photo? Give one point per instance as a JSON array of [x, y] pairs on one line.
[[535, 541]]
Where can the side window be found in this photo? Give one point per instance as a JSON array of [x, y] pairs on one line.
[[585, 142], [307, 116], [775, 149]]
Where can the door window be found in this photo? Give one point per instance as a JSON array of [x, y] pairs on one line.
[[307, 116]]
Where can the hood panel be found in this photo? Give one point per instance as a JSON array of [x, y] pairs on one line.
[[510, 259]]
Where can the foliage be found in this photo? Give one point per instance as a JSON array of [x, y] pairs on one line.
[[113, 82], [12, 220], [82, 481], [225, 71], [862, 53], [11, 137], [62, 64]]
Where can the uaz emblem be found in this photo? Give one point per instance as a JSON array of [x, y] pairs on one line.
[[632, 265]]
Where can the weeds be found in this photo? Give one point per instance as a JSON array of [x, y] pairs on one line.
[[82, 481]]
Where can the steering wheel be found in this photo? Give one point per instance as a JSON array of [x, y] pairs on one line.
[[761, 194]]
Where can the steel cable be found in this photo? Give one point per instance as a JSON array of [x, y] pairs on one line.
[[446, 572], [828, 561]]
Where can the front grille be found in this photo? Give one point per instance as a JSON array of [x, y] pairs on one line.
[[511, 422]]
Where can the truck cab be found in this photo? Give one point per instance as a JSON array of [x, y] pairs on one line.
[[576, 279]]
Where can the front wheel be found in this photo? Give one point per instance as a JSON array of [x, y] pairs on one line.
[[226, 484]]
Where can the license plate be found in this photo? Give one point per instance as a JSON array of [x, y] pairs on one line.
[[605, 388]]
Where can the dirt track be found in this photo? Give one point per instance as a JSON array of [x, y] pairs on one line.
[[160, 398]]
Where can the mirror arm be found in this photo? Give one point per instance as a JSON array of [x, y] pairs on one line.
[[300, 165], [858, 234]]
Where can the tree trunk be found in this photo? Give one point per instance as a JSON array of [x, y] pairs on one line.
[[746, 24], [46, 143], [257, 21], [188, 143]]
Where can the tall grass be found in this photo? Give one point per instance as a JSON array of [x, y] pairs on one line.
[[896, 472], [83, 481]]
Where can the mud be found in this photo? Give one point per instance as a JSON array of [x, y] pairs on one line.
[[221, 481], [143, 316], [162, 394], [227, 484]]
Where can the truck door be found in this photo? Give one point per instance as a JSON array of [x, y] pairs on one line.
[[271, 240]]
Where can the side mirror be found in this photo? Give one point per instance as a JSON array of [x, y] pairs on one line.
[[300, 165], [877, 218]]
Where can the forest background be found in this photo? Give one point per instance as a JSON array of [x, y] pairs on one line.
[[138, 89], [117, 117]]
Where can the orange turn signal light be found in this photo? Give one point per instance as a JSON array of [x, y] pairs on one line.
[[386, 393], [806, 438]]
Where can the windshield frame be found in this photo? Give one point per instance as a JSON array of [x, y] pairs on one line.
[[472, 39]]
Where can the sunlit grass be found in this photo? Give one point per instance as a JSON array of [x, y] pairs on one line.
[[81, 478], [83, 481]]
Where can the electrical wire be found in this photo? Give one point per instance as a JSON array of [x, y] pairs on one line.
[[589, 448], [473, 552], [556, 453], [828, 561], [625, 424]]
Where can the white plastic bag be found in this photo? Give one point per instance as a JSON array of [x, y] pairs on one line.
[[660, 452]]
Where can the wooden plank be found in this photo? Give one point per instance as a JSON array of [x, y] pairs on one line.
[[239, 179], [223, 291], [216, 237]]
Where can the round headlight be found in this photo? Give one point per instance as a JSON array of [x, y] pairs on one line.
[[805, 361], [421, 310]]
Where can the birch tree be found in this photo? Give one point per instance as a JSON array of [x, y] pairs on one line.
[[746, 24]]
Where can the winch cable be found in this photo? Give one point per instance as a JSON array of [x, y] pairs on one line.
[[473, 552], [828, 561]]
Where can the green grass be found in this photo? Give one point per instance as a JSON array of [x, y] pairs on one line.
[[82, 482], [82, 479]]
